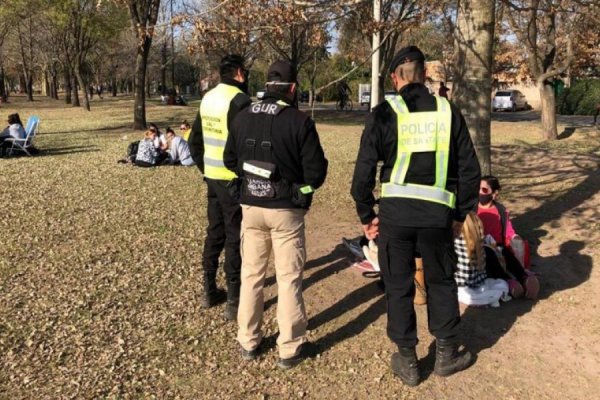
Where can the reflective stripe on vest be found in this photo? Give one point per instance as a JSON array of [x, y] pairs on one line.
[[421, 132], [213, 112]]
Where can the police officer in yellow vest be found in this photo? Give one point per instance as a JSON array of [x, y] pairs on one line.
[[429, 182], [207, 142]]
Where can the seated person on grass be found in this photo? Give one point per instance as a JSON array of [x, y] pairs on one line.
[[474, 286], [14, 130], [160, 144], [147, 154], [179, 151], [501, 262], [185, 129]]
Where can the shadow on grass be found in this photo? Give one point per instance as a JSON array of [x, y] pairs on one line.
[[332, 263], [59, 151]]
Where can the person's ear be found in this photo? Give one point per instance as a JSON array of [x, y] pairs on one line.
[[394, 78]]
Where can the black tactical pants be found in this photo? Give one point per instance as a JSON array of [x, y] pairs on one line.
[[397, 261], [223, 232]]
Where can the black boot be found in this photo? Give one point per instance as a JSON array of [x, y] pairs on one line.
[[404, 365], [212, 295], [448, 360], [233, 300]]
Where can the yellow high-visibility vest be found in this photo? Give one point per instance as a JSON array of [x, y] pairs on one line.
[[213, 112], [421, 132]]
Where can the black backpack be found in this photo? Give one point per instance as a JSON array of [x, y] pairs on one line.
[[132, 149]]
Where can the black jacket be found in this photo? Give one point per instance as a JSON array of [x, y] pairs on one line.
[[296, 149], [379, 143], [196, 140]]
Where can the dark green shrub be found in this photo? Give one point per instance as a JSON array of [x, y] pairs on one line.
[[582, 98]]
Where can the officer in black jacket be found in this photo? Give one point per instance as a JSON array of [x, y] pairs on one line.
[[275, 148], [430, 179], [207, 143]]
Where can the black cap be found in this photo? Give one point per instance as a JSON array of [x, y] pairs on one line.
[[231, 62], [281, 71], [407, 54]]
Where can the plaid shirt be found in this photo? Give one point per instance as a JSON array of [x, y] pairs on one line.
[[466, 270]]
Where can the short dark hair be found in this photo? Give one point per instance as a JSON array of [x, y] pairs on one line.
[[412, 71], [492, 181], [230, 64], [14, 119]]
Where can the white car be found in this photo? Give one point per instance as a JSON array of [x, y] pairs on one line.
[[365, 98], [511, 100]]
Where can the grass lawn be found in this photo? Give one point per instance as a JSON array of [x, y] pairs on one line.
[[100, 274]]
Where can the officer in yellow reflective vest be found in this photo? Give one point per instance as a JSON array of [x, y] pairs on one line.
[[207, 142], [429, 182]]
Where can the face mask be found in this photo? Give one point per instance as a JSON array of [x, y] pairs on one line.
[[485, 198]]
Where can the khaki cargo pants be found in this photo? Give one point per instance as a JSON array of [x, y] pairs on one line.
[[280, 230]]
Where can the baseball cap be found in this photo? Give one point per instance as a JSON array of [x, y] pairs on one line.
[[281, 71], [405, 55]]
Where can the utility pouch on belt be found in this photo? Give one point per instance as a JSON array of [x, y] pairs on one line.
[[261, 179], [302, 195]]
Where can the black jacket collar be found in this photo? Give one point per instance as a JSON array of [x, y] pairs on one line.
[[413, 89], [272, 97], [233, 82]]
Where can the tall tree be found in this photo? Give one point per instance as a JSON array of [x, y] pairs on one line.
[[3, 32], [472, 86], [545, 30], [143, 14]]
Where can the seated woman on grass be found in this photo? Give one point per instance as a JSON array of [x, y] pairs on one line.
[[147, 154], [14, 130], [179, 151], [501, 263], [474, 286], [185, 129]]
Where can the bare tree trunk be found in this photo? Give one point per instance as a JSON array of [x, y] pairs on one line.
[[163, 68], [75, 95], [141, 62], [3, 94], [547, 96], [29, 86], [45, 82], [54, 83], [84, 85], [472, 87], [68, 87]]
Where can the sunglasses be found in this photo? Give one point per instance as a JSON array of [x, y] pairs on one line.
[[485, 190]]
